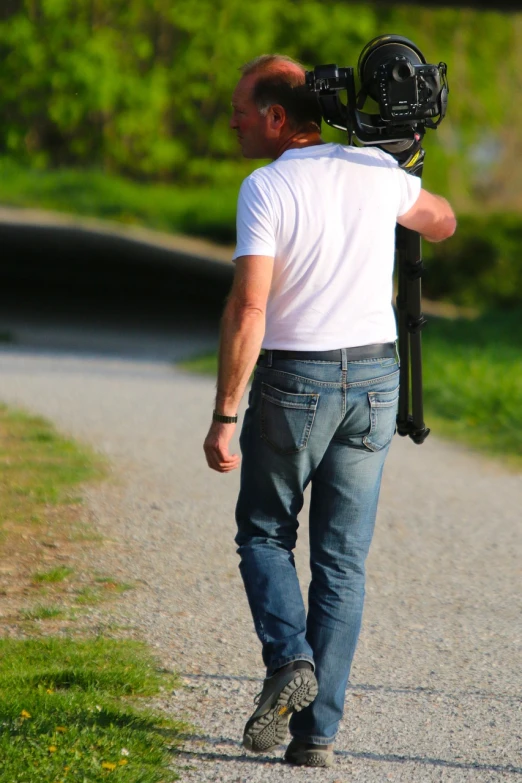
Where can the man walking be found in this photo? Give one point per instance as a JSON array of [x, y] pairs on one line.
[[313, 289]]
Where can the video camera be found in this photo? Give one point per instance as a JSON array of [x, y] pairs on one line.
[[411, 95]]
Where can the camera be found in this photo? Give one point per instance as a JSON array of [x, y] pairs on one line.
[[411, 94]]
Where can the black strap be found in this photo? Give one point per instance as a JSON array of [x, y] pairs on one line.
[[224, 419]]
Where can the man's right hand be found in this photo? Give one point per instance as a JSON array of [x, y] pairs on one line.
[[216, 448]]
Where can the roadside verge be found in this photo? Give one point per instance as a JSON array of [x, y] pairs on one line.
[[73, 702]]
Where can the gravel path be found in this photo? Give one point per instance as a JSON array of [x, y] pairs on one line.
[[435, 693]]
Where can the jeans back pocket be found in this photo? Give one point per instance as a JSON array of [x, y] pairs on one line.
[[287, 418], [383, 415]]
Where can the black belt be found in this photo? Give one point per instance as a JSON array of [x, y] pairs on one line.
[[360, 352]]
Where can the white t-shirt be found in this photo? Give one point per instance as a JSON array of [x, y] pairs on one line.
[[327, 215]]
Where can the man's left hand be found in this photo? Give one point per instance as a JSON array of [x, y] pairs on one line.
[[216, 448]]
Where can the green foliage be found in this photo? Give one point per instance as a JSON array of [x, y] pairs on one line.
[[205, 210], [144, 88], [480, 265]]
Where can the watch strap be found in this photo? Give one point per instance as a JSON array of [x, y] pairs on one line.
[[224, 419]]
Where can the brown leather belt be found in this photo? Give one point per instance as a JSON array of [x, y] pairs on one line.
[[360, 352]]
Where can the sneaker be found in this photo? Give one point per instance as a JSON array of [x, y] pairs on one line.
[[305, 754], [288, 690]]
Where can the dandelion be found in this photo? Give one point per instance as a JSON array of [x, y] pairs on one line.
[[25, 714], [49, 691], [109, 765], [52, 748], [61, 729], [121, 762]]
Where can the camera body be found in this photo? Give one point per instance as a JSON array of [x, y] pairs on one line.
[[406, 92], [411, 94]]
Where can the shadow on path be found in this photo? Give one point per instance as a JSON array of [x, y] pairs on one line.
[[340, 755], [76, 289], [419, 689]]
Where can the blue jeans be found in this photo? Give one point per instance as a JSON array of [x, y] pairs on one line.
[[328, 423]]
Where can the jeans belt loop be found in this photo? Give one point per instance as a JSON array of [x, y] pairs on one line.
[[344, 362], [268, 355]]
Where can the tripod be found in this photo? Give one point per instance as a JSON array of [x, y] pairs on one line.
[[410, 323]]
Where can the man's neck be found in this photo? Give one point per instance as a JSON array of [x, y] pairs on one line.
[[298, 141]]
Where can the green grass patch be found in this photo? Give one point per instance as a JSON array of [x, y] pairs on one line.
[[42, 613], [473, 380], [70, 711], [112, 585], [39, 467], [57, 574], [101, 590], [206, 364], [88, 595], [201, 211]]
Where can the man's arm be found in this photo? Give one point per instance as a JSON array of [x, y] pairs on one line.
[[431, 216], [242, 332]]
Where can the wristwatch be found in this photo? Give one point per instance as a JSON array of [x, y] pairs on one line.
[[224, 419]]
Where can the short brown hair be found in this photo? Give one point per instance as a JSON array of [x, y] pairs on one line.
[[281, 80]]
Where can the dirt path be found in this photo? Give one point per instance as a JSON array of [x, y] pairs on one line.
[[435, 692]]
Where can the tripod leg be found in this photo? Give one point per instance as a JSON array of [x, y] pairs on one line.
[[416, 321], [411, 322], [404, 356]]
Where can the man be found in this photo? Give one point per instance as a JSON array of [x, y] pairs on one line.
[[313, 288]]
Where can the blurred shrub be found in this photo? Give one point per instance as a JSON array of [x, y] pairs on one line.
[[481, 265], [143, 88]]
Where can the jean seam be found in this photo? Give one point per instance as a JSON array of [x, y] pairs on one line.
[[327, 384], [356, 384]]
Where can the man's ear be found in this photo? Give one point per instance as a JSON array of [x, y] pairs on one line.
[[277, 116]]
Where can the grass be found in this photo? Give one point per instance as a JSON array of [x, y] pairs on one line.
[[179, 209], [71, 706], [39, 467], [473, 380], [472, 373], [42, 613], [57, 574], [71, 712], [206, 364]]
